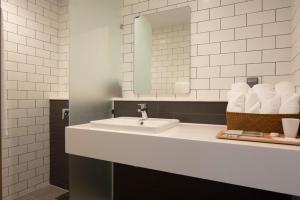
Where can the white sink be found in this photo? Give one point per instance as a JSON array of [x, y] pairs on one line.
[[151, 125]]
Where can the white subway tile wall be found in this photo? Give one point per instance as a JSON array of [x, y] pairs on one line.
[[35, 58], [295, 58], [170, 58], [230, 40]]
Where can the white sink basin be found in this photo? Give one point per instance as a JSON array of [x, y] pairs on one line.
[[151, 125]]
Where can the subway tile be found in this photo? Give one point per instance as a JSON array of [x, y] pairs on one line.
[[262, 69], [10, 46], [200, 38], [210, 25], [208, 72], [22, 67], [208, 95], [15, 94], [283, 41], [22, 85], [17, 57], [277, 55], [227, 2], [272, 4], [157, 3], [8, 7], [10, 27], [26, 32], [35, 25], [34, 60], [16, 19], [248, 7], [248, 32], [221, 12], [140, 7], [221, 83], [277, 28], [18, 76], [26, 103], [26, 122], [233, 22], [200, 61], [22, 49], [171, 2], [198, 16], [12, 37], [35, 8], [35, 43], [208, 4], [207, 49], [261, 17], [26, 13], [233, 46], [233, 70], [283, 68], [223, 35], [261, 43], [199, 83], [222, 59], [284, 14], [248, 57]]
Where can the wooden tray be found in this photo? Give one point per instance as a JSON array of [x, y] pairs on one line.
[[265, 139]]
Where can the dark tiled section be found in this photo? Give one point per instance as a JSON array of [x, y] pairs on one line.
[[59, 169], [134, 183], [188, 112]]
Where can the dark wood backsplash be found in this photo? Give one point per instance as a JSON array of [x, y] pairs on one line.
[[188, 112], [59, 170]]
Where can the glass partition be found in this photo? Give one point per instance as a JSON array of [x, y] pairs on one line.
[[95, 54]]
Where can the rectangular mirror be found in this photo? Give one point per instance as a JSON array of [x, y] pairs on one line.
[[162, 43]]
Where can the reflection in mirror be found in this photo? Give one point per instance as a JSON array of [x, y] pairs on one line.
[[162, 53]]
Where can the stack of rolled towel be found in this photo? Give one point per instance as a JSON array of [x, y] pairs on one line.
[[263, 98]]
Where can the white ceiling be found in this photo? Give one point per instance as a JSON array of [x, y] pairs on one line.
[[170, 17]]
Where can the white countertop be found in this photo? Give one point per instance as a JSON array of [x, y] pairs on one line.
[[193, 150]]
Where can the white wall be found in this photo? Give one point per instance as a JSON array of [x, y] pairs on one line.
[[35, 62], [295, 58], [231, 39]]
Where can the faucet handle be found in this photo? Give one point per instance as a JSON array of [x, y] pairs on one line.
[[142, 107]]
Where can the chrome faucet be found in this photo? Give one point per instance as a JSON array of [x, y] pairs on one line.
[[144, 110]]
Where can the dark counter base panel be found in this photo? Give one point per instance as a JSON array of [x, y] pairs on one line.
[[134, 183]]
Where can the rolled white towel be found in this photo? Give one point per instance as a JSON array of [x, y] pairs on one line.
[[254, 109], [265, 96], [289, 104], [289, 109], [236, 103], [271, 106], [285, 87], [240, 87], [250, 100], [264, 92], [233, 94], [259, 87], [290, 98]]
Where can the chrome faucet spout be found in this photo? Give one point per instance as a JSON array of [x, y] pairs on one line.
[[143, 109]]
